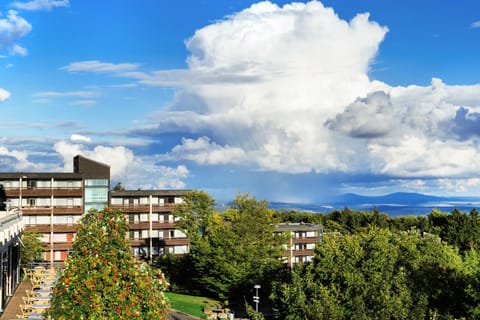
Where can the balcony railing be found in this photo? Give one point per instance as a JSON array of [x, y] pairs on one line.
[[43, 192]]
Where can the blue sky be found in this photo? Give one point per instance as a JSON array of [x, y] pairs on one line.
[[287, 101]]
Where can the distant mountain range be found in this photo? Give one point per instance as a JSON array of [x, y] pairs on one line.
[[394, 204]]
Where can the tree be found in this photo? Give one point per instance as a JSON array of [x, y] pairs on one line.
[[32, 247], [101, 279], [194, 214], [119, 187], [231, 250], [382, 275]]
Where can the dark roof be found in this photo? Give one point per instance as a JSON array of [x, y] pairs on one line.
[[140, 193], [40, 175]]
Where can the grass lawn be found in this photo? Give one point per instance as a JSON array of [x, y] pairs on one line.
[[192, 305]]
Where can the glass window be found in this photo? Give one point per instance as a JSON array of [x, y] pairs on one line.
[[96, 182], [96, 194]]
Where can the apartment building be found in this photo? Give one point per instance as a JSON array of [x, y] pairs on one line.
[[11, 228], [152, 225], [52, 203], [303, 237]]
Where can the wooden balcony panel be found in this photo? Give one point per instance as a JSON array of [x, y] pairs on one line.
[[143, 208], [62, 246], [305, 240], [176, 241], [44, 192], [298, 253], [75, 210], [67, 192], [45, 228], [155, 226], [139, 242]]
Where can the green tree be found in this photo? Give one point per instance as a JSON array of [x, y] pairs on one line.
[[194, 214], [32, 247], [119, 187], [231, 250], [101, 279], [381, 275]]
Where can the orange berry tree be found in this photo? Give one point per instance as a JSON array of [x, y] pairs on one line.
[[101, 279]]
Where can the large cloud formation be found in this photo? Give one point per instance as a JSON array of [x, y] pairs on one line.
[[286, 89]]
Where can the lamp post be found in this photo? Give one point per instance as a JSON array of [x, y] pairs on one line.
[[256, 298]]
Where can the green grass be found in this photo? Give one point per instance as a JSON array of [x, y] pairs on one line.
[[192, 305]]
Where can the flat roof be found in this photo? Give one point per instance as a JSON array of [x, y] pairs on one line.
[[40, 175], [138, 193]]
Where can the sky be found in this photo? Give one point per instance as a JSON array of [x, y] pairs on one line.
[[288, 101]]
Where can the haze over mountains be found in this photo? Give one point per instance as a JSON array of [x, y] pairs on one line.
[[394, 204]]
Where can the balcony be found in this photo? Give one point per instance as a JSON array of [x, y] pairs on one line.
[[155, 225], [144, 208], [38, 210], [159, 242], [305, 240], [63, 246], [298, 253], [46, 228], [43, 192]]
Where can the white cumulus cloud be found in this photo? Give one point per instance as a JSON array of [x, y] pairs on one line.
[[133, 172], [287, 89], [203, 151]]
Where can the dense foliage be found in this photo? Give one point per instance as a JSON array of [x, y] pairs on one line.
[[368, 266], [231, 250], [32, 247], [101, 279]]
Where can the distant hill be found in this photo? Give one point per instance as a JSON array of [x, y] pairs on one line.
[[394, 204]]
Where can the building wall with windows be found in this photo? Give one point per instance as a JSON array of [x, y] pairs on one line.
[[11, 228], [53, 203], [152, 225], [303, 237]]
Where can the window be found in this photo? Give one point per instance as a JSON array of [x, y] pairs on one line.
[[116, 201], [96, 194], [96, 182], [32, 220]]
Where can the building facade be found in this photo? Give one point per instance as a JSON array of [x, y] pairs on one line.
[[152, 225], [53, 203], [11, 228], [303, 237]]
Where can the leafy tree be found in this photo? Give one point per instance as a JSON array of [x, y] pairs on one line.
[[231, 250], [194, 214], [32, 248], [381, 275], [101, 279]]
